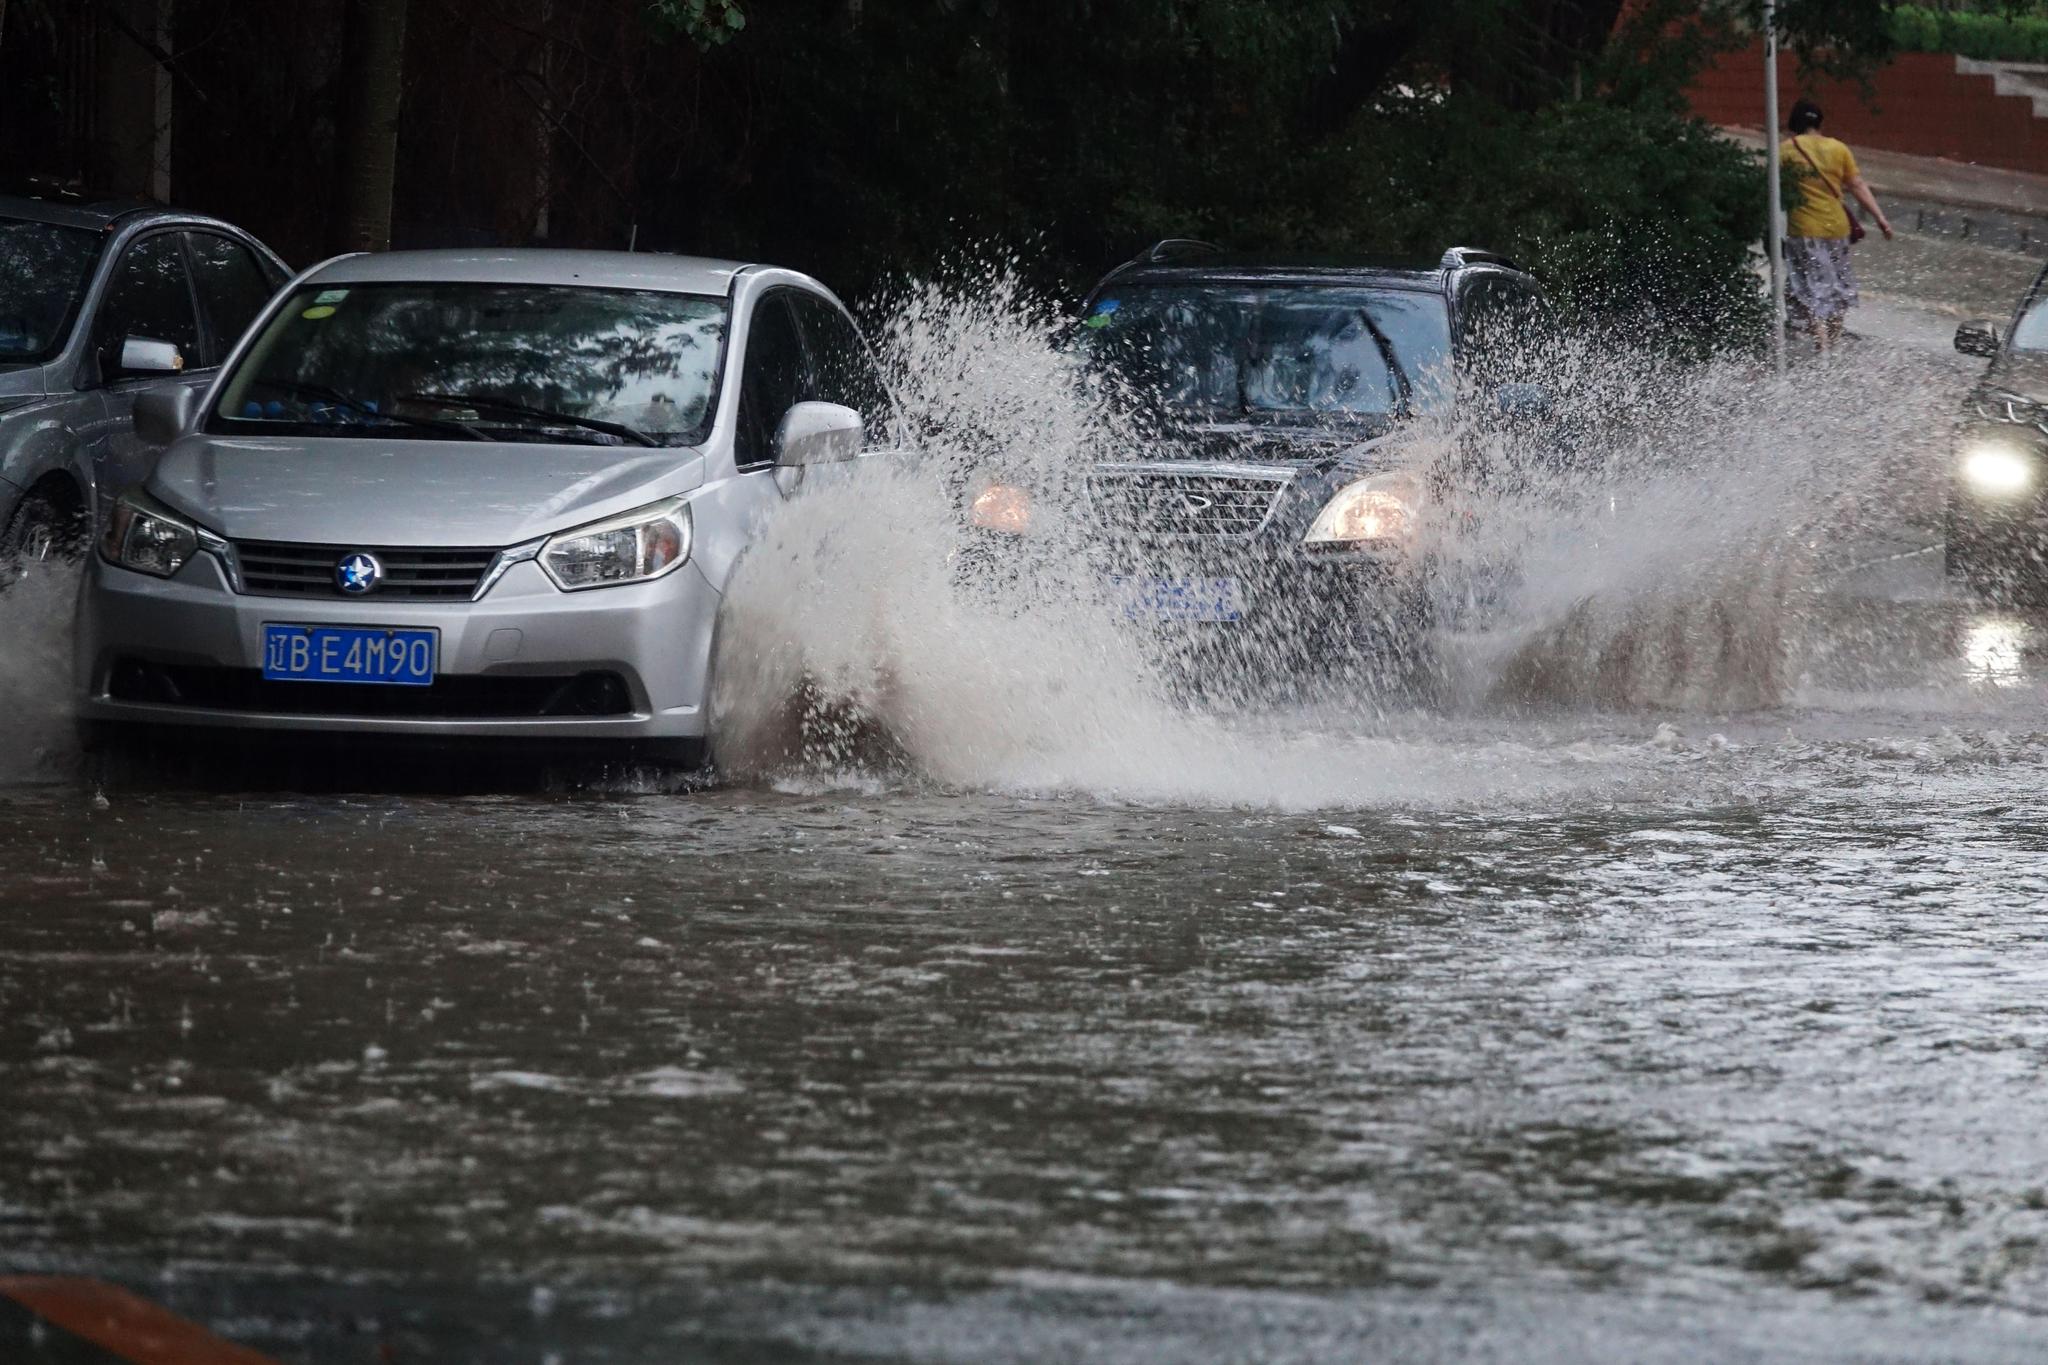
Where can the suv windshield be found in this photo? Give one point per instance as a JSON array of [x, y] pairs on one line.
[[525, 362], [44, 269], [2031, 335], [1279, 350]]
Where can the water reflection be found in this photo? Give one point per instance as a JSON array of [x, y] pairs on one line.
[[1995, 650]]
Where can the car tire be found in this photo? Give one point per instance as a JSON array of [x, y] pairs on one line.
[[41, 531]]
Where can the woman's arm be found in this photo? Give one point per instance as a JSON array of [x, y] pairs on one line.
[[1860, 187]]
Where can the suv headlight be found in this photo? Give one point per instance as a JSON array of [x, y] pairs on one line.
[[144, 535], [1001, 507], [1379, 512], [1997, 468], [636, 547]]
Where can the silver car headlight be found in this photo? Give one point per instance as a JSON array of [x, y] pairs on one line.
[[1382, 511], [636, 547], [144, 535], [1996, 468]]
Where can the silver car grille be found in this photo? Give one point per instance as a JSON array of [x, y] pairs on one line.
[[274, 569], [1181, 501]]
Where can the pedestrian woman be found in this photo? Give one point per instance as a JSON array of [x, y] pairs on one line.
[[1820, 282]]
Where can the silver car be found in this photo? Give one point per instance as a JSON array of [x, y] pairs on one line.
[[445, 496], [99, 304]]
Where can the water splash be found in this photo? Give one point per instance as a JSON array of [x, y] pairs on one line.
[[35, 673], [1670, 565]]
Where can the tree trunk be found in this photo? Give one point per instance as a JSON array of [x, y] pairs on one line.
[[544, 129], [372, 89]]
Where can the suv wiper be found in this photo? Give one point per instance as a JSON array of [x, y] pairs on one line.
[[1404, 391], [321, 393], [494, 403]]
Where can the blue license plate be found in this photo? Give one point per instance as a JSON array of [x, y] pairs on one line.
[[350, 654], [1178, 599]]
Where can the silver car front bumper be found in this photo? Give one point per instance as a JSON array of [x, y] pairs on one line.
[[654, 637]]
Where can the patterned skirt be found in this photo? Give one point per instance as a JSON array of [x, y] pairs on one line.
[[1819, 281]]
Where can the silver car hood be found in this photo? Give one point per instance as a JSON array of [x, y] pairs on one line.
[[384, 492]]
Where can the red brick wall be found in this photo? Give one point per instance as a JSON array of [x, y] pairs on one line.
[[1917, 104]]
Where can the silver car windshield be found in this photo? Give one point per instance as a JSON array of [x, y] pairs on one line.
[[1278, 350], [43, 272], [551, 363]]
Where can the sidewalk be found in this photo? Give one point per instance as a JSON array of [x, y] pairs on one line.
[[1995, 207]]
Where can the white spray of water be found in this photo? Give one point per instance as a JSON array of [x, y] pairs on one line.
[[35, 673], [1667, 567], [1685, 571]]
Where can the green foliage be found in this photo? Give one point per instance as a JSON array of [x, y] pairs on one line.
[[707, 23], [1995, 36], [1094, 127], [1634, 218]]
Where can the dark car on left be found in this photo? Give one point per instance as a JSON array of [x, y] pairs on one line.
[[100, 303]]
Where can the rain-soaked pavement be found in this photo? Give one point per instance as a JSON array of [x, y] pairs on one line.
[[1508, 1033]]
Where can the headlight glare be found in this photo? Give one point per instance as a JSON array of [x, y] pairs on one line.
[[146, 537], [1382, 511], [1996, 468], [637, 547], [1002, 507]]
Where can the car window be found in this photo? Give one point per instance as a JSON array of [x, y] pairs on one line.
[[538, 363], [232, 289], [2031, 332], [1284, 350], [149, 296], [773, 379], [1500, 325], [843, 371], [44, 270]]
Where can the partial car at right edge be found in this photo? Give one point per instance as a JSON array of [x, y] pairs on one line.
[[1996, 521]]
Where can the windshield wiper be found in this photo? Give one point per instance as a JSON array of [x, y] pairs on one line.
[[494, 403], [321, 393]]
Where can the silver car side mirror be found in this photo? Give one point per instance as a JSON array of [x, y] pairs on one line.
[[818, 433], [140, 355], [162, 415], [1978, 338]]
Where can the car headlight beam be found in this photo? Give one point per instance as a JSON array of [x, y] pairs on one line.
[[636, 547], [1997, 469], [143, 535], [1379, 512]]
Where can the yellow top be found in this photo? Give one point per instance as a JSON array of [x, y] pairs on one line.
[[1819, 212]]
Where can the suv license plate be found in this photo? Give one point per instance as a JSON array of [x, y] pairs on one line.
[[1178, 599], [350, 654]]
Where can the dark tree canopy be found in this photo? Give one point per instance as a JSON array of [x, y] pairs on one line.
[[865, 138]]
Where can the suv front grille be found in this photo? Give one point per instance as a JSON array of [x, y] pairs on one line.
[[273, 569], [1164, 502]]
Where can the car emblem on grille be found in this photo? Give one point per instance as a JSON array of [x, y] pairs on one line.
[[356, 574], [1196, 503]]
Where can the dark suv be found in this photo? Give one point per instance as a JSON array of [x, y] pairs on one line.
[[99, 304], [1279, 515]]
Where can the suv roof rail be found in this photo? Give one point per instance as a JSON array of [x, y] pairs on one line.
[[1472, 255], [1171, 247]]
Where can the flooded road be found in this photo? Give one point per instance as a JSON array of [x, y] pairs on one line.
[[1500, 1030]]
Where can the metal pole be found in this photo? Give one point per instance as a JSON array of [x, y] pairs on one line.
[[1773, 176]]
